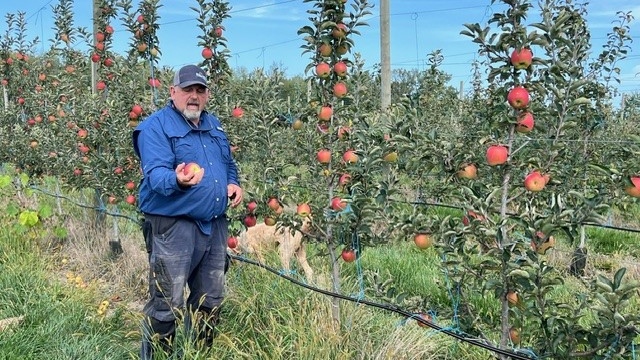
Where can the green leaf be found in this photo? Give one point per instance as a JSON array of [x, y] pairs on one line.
[[28, 218], [617, 278]]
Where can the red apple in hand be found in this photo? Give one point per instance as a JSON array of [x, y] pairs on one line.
[[191, 168], [535, 181], [497, 155], [521, 59]]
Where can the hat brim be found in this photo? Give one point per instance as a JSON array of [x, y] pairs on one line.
[[189, 83]]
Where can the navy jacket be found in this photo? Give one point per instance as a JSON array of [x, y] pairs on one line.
[[166, 139]]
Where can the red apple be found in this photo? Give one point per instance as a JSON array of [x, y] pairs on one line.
[[101, 85], [273, 203], [344, 179], [250, 220], [337, 204], [468, 171], [518, 97], [512, 297], [325, 49], [131, 199], [95, 57], [252, 206], [108, 62], [422, 240], [340, 68], [232, 242], [191, 168], [303, 209], [535, 181], [325, 113], [323, 70], [339, 89], [218, 31], [343, 132], [137, 109], [118, 170], [525, 122], [514, 335], [82, 133], [521, 59], [426, 317], [237, 112], [348, 255], [130, 185], [350, 157], [340, 31], [207, 53], [471, 215], [324, 156], [100, 37], [497, 155], [140, 19]]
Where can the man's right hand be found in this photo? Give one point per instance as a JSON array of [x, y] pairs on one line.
[[190, 178]]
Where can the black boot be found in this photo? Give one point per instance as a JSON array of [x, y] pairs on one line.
[[201, 325], [156, 336]]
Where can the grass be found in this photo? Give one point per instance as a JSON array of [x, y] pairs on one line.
[[58, 286]]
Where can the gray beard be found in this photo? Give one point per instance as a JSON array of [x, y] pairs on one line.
[[193, 115]]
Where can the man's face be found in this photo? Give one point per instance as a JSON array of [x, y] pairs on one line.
[[190, 101]]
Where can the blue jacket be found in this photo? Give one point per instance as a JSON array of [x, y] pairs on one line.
[[166, 139]]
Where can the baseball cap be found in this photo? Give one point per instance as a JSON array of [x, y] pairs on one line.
[[190, 75]]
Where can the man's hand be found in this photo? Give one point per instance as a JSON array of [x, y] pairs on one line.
[[234, 192], [191, 178]]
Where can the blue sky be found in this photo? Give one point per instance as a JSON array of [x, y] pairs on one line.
[[262, 33]]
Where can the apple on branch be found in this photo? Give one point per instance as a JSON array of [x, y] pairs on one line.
[[535, 181], [468, 171], [518, 97], [521, 58], [497, 155]]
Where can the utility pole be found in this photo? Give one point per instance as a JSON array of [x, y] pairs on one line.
[[385, 56]]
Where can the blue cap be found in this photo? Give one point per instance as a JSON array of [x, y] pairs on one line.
[[190, 75]]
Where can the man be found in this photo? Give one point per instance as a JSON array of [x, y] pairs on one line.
[[184, 208]]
